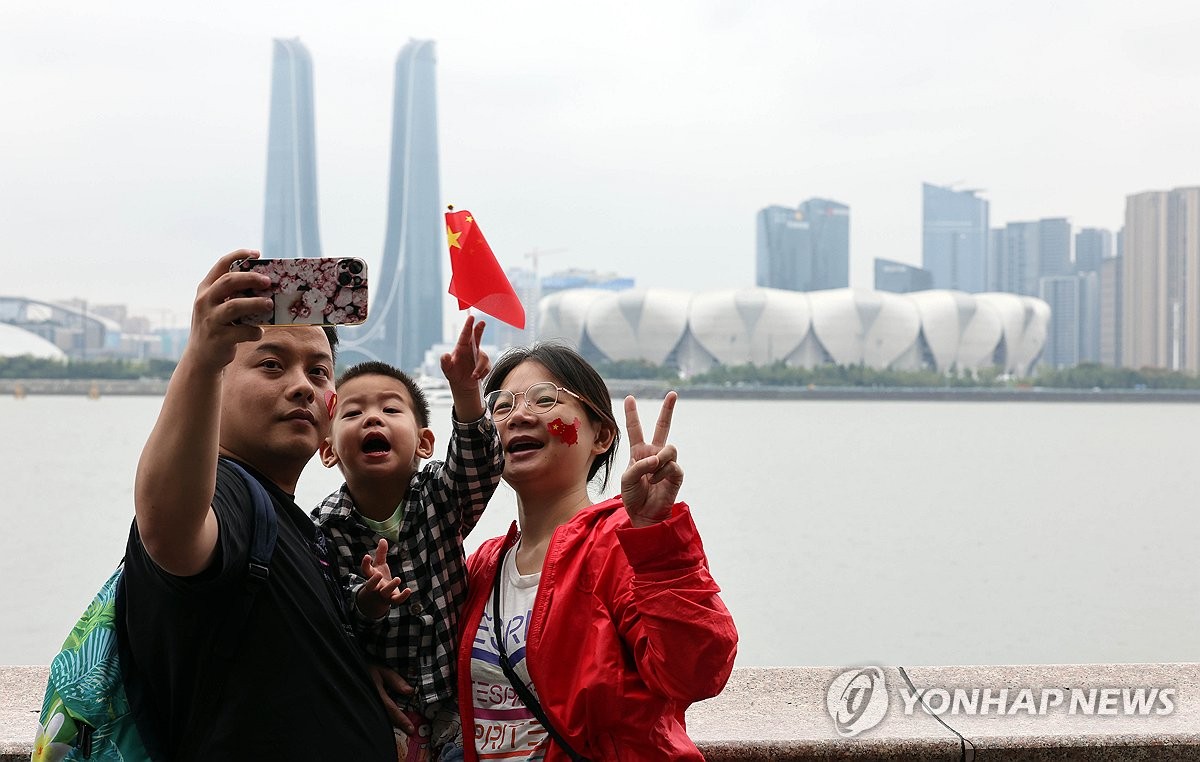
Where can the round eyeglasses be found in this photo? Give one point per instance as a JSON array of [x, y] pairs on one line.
[[540, 398]]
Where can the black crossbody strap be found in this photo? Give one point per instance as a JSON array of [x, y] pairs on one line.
[[517, 683], [264, 533]]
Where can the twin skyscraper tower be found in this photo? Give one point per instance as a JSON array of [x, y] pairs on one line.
[[406, 289]]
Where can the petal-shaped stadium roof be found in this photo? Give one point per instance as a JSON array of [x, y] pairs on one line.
[[879, 329], [750, 325]]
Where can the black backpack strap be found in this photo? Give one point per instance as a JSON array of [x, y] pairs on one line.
[[265, 530], [518, 684], [264, 534]]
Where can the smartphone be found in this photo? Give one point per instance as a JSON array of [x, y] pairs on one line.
[[313, 291]]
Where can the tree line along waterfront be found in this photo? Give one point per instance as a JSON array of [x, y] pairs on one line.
[[1086, 376]]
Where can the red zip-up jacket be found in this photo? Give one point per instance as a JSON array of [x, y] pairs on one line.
[[627, 631]]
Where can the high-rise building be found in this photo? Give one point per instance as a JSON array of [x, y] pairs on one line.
[[1013, 259], [1092, 246], [1054, 246], [804, 249], [782, 248], [1110, 312], [290, 217], [829, 233], [525, 284], [406, 303], [954, 238], [1089, 317], [1160, 315], [1021, 253], [900, 278], [1061, 292]]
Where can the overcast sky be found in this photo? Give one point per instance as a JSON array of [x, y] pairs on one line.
[[640, 137]]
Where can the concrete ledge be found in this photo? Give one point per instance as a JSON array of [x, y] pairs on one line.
[[774, 714], [21, 693]]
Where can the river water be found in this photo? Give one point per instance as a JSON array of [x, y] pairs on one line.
[[844, 532]]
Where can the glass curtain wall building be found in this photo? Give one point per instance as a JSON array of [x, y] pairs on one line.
[[900, 278], [1092, 247], [406, 302], [1021, 253], [406, 289], [954, 238], [290, 217], [804, 249]]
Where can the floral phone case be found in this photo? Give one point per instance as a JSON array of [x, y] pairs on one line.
[[324, 291]]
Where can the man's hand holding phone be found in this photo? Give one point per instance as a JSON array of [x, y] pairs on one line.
[[220, 309], [309, 291]]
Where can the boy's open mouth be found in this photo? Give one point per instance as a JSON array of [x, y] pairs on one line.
[[375, 442]]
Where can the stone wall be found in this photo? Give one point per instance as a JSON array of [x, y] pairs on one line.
[[781, 714]]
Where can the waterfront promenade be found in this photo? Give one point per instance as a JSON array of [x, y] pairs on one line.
[[775, 714], [652, 388]]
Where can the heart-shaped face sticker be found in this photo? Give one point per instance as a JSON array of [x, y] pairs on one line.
[[567, 432], [330, 402]]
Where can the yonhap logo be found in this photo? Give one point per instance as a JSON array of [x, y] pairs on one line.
[[857, 700]]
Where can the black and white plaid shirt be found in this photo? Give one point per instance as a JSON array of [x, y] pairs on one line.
[[418, 638]]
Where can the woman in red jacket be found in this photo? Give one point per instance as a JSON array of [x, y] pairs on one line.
[[609, 623]]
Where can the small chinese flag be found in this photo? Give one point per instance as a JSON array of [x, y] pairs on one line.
[[475, 276]]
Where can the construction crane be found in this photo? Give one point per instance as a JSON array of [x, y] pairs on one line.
[[536, 254]]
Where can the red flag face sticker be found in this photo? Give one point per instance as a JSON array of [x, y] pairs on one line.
[[567, 432], [330, 402]]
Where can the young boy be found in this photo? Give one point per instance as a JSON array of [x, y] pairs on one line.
[[398, 528]]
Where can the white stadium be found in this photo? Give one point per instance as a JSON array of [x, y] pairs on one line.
[[940, 330], [16, 342]]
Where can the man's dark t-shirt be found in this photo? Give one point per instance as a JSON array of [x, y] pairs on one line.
[[295, 685]]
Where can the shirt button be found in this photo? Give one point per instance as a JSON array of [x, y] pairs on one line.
[[416, 608]]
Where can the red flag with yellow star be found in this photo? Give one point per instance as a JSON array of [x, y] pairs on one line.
[[476, 278]]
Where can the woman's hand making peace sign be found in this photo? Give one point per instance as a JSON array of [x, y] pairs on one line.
[[652, 480]]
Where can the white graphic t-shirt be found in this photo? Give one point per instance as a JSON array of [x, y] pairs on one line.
[[504, 727]]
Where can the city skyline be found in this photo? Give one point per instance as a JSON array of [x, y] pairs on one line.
[[572, 141]]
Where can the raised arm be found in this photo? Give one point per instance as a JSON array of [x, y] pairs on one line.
[[465, 367], [177, 472], [474, 460], [668, 609]]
